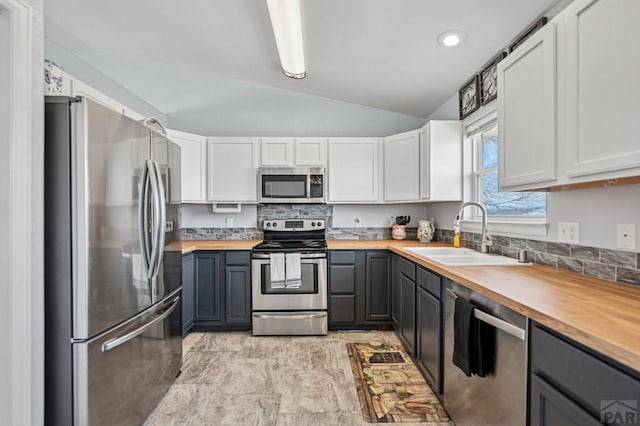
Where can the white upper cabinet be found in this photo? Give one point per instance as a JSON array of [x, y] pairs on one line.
[[311, 152], [232, 166], [441, 161], [402, 167], [527, 113], [193, 152], [354, 170], [289, 152], [600, 97], [277, 152]]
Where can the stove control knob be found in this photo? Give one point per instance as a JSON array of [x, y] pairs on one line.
[[268, 224], [313, 224], [319, 223], [275, 225]]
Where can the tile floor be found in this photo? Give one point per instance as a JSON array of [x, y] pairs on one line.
[[234, 378]]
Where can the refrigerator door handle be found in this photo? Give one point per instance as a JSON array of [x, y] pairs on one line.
[[161, 219], [143, 219], [117, 341], [155, 213]]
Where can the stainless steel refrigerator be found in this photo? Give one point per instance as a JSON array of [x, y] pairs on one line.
[[112, 286]]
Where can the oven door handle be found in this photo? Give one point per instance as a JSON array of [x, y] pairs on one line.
[[303, 256], [291, 317]]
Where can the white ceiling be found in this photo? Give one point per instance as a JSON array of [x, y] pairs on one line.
[[378, 53]]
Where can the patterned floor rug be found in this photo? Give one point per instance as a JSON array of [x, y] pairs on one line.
[[390, 387]]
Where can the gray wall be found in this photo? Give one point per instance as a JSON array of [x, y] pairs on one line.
[[95, 78]]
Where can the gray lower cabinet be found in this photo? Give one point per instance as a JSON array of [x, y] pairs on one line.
[[428, 345], [208, 299], [359, 293], [396, 303], [570, 384], [188, 292], [377, 292], [429, 327], [216, 290], [408, 314]]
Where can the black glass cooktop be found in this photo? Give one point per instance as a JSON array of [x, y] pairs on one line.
[[291, 246]]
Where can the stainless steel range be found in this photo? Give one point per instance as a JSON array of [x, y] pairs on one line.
[[289, 270]]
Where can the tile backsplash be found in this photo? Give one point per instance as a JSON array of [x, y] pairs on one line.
[[613, 265], [291, 211]]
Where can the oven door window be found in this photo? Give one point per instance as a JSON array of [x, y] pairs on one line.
[[284, 186], [309, 273]]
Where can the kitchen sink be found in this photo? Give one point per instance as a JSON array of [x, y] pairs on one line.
[[462, 256], [438, 251]]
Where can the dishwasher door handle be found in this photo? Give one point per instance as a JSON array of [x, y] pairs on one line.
[[500, 324]]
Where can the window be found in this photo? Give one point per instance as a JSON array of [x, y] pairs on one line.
[[505, 205]]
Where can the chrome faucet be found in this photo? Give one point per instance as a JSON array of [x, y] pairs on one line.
[[486, 238]]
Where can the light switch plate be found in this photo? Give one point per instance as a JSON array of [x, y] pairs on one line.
[[626, 236], [569, 232], [229, 222]]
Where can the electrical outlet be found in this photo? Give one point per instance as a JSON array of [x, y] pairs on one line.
[[626, 236], [569, 232], [229, 222], [357, 222], [168, 226]]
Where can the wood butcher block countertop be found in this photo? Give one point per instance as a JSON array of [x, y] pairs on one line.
[[193, 245], [602, 315]]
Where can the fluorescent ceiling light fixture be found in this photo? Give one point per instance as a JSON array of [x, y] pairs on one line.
[[287, 28], [451, 38]]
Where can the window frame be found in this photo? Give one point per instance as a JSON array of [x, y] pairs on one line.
[[475, 125]]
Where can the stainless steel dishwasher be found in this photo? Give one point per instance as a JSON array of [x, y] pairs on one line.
[[500, 398]]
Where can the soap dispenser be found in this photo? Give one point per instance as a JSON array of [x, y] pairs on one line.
[[456, 236]]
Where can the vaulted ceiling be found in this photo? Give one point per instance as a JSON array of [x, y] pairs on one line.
[[377, 53]]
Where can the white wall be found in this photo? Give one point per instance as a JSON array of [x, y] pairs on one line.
[[449, 110], [21, 219], [376, 216], [201, 216]]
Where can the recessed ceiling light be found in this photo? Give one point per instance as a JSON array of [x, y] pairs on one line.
[[451, 38]]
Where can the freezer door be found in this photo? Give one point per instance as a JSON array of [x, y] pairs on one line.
[[120, 376], [109, 282]]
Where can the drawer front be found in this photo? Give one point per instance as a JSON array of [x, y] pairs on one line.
[[407, 268], [342, 257], [430, 282], [238, 258], [581, 376], [342, 279]]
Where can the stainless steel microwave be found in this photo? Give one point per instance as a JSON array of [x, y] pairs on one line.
[[291, 184]]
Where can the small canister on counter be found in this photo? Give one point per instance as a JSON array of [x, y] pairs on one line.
[[399, 232]]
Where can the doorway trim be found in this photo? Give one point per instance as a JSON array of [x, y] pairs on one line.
[[25, 274]]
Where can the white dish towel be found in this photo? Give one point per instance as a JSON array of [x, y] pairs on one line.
[[294, 275], [277, 270]]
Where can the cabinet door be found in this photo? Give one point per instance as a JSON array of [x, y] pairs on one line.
[[402, 167], [396, 292], [311, 152], [549, 407], [193, 163], [208, 306], [527, 112], [408, 315], [238, 294], [342, 309], [277, 152], [441, 161], [232, 169], [600, 96], [353, 170], [429, 338], [377, 291], [188, 293]]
